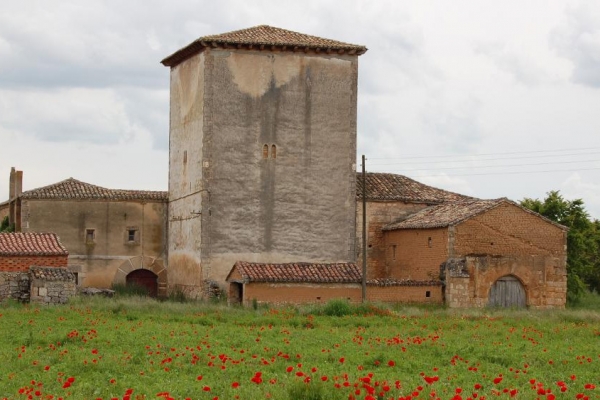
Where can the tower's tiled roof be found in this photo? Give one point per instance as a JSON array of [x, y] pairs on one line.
[[299, 272], [31, 244], [72, 189], [264, 37], [393, 187]]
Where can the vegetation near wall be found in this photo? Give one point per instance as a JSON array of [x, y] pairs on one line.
[[134, 347], [583, 241]]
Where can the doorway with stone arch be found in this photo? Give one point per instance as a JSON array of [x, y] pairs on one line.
[[507, 292], [146, 271]]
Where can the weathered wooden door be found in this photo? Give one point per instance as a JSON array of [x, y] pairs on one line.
[[144, 278], [507, 292]]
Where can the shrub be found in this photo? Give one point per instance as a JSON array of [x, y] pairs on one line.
[[337, 308]]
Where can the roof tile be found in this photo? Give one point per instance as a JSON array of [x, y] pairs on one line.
[[72, 189], [31, 244], [393, 187], [261, 37], [299, 272]]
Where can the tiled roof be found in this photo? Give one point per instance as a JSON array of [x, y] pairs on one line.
[[263, 37], [72, 189], [31, 244], [52, 274], [449, 214], [443, 215], [299, 272], [393, 187]]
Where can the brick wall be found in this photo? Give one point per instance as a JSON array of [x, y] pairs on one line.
[[418, 253], [379, 214], [22, 263], [322, 293], [507, 230]]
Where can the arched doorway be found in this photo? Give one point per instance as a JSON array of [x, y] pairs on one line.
[[143, 278], [507, 291]]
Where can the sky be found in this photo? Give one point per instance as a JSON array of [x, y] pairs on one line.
[[483, 97]]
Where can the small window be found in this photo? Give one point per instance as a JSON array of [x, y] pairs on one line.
[[427, 293], [273, 151], [266, 151], [90, 235], [132, 235], [429, 242], [185, 156], [394, 252]]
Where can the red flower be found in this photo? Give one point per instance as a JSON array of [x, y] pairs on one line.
[[235, 385], [391, 363], [206, 388]]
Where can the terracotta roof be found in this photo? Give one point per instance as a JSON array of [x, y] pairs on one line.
[[298, 272], [449, 214], [31, 244], [72, 189], [263, 37], [52, 274], [392, 187], [443, 215]]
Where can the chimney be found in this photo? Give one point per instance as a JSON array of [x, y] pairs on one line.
[[15, 184]]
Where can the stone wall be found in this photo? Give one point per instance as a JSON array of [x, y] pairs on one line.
[[262, 161], [14, 285], [96, 233], [468, 281], [41, 285]]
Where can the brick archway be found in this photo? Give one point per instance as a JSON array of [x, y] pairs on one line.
[[154, 265]]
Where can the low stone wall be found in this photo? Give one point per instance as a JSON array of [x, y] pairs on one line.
[[51, 285], [14, 285], [41, 285]]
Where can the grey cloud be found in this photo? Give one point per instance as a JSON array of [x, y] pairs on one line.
[[578, 40], [519, 66]]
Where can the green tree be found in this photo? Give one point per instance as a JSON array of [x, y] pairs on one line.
[[5, 225], [583, 240]]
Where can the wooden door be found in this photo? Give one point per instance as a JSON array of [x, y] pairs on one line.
[[144, 278], [507, 292]]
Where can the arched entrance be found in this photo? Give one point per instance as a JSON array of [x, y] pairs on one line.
[[143, 278], [138, 264], [507, 291]]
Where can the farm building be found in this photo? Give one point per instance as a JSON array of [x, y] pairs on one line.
[[113, 236], [263, 195]]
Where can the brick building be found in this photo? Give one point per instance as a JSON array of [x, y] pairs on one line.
[[19, 251], [491, 252], [114, 236]]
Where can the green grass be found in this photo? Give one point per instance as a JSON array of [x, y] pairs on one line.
[[334, 351]]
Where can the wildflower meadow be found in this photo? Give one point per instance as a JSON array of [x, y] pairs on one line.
[[137, 348]]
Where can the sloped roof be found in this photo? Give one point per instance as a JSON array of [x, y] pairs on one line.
[[72, 189], [298, 272], [31, 244], [263, 37], [393, 187], [453, 213]]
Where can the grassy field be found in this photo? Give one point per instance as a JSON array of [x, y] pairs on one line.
[[141, 349]]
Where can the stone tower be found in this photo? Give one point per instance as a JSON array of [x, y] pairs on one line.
[[262, 153]]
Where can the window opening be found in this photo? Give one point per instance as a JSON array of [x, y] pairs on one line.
[[273, 151], [90, 235], [131, 235], [394, 252], [266, 151]]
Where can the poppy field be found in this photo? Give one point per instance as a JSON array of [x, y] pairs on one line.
[[141, 349]]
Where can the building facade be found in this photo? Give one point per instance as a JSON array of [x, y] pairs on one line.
[[113, 236]]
